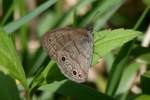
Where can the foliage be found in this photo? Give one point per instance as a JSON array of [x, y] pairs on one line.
[[26, 70]]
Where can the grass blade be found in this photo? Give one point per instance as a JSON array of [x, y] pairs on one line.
[[13, 26]]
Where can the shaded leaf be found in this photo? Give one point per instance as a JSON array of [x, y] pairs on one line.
[[141, 54], [79, 91], [40, 77], [145, 58], [127, 78], [145, 81], [118, 67], [8, 88]]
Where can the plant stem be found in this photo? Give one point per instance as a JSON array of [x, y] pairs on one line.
[[141, 18]]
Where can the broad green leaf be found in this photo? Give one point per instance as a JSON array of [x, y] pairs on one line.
[[105, 41], [9, 61], [145, 81], [78, 91], [13, 26], [143, 97], [8, 88]]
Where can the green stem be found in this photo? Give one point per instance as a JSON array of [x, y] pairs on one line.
[[7, 14], [28, 97], [141, 18]]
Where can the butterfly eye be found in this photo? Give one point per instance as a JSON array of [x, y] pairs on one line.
[[63, 58]]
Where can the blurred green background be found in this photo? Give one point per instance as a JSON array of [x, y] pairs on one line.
[[121, 57]]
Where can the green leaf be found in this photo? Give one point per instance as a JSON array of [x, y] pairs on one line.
[[40, 77], [67, 17], [121, 61], [78, 91], [9, 11], [138, 52], [101, 13], [64, 20], [9, 61], [118, 68], [8, 88], [145, 81], [105, 41], [109, 59], [108, 8], [13, 26], [36, 65], [143, 97], [147, 2], [45, 23], [145, 58], [54, 74], [141, 54], [127, 78]]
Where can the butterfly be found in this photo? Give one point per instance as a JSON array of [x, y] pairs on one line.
[[71, 49]]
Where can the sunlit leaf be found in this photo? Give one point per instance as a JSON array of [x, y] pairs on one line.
[[107, 40], [9, 61]]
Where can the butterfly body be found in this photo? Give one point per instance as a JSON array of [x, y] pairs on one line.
[[72, 50]]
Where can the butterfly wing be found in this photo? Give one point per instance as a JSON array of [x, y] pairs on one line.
[[72, 50]]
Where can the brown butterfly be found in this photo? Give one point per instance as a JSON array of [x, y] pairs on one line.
[[72, 49]]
